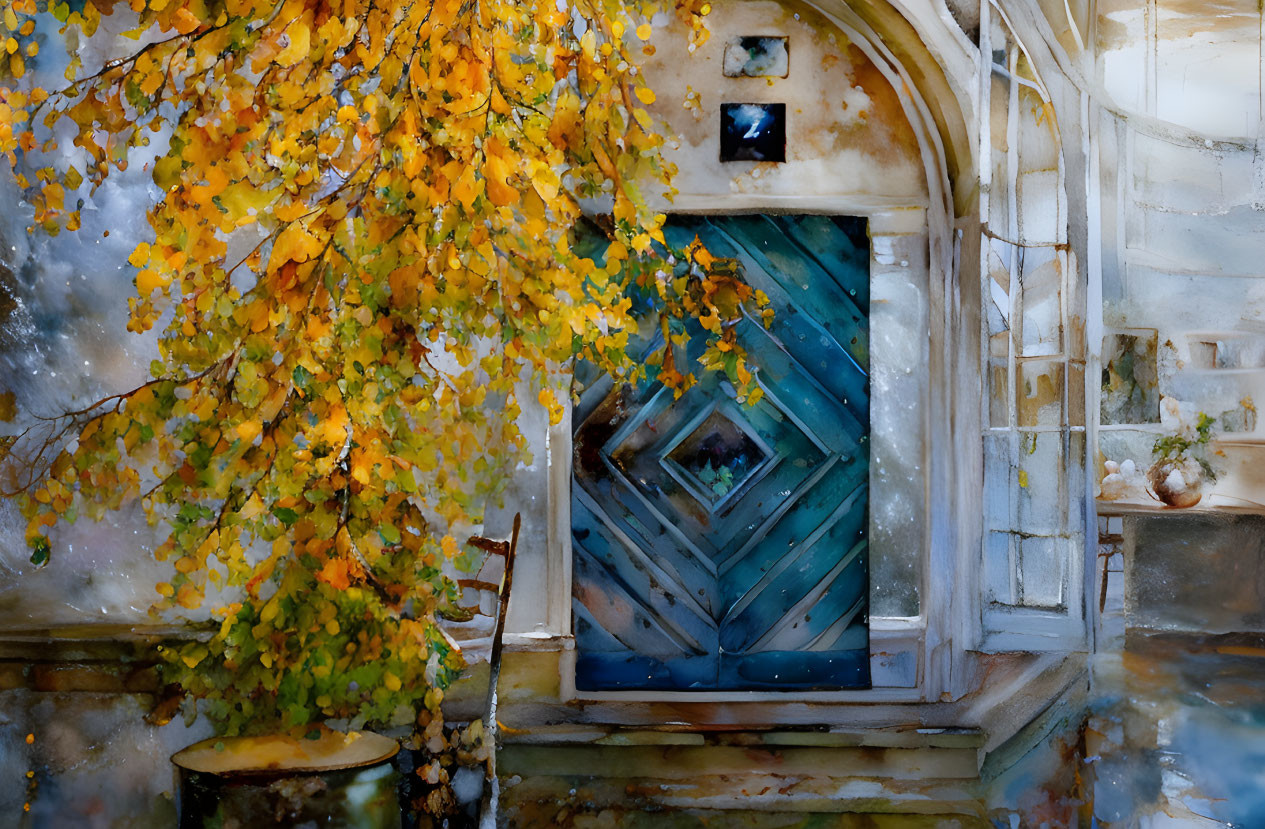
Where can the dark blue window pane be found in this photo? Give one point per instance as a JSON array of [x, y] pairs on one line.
[[753, 132]]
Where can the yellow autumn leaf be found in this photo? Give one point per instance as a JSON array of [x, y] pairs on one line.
[[300, 44], [644, 31], [139, 256], [151, 82], [249, 430], [547, 399], [186, 21], [188, 596], [645, 95], [290, 212], [296, 244], [194, 655], [545, 183], [148, 281], [335, 573], [449, 545]]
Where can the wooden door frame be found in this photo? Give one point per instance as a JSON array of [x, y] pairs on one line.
[[937, 98]]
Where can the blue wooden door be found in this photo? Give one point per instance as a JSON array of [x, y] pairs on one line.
[[722, 546]]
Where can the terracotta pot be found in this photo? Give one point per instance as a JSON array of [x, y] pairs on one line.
[[244, 782], [1177, 483]]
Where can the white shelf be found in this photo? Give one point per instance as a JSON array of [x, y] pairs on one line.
[[1210, 505]]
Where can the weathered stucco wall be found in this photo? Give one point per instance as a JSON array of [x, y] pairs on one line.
[[847, 132]]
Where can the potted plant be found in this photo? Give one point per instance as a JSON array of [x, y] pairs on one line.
[[1176, 477], [360, 250]]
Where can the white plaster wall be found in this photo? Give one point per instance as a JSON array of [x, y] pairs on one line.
[[1186, 262], [1193, 63], [847, 135]]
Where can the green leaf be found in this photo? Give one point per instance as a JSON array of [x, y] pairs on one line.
[[40, 551], [302, 378], [167, 172]]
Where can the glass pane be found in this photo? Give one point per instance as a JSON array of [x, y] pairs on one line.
[[1039, 393], [1130, 377], [753, 132], [1041, 568], [1041, 503], [757, 57], [717, 458], [1041, 291]]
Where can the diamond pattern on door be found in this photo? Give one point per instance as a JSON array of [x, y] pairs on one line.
[[719, 545]]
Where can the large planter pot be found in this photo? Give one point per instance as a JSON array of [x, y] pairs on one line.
[[337, 780]]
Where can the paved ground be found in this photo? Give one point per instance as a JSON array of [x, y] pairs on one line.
[[1176, 732]]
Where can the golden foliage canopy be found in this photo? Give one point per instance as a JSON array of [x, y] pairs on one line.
[[364, 248]]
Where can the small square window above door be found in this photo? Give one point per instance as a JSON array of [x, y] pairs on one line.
[[721, 545], [753, 132]]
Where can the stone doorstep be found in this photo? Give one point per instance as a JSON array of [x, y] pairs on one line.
[[897, 738], [667, 779], [891, 763], [784, 771], [678, 762], [895, 770], [1012, 690]]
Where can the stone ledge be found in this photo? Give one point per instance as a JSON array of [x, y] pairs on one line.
[[900, 738], [96, 643], [88, 677]]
